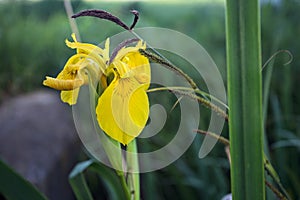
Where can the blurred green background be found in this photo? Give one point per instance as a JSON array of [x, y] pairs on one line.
[[32, 45]]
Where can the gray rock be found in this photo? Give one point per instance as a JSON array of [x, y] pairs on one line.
[[38, 139]]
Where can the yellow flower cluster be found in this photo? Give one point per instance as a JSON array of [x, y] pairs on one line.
[[123, 108]]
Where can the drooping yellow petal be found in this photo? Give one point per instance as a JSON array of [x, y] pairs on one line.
[[60, 84], [69, 72], [123, 109], [75, 74], [139, 107], [74, 66], [122, 96], [105, 117], [70, 97]]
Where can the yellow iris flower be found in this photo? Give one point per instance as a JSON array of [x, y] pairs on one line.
[[123, 108]]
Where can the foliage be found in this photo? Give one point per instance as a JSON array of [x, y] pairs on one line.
[[243, 42], [10, 180], [32, 46]]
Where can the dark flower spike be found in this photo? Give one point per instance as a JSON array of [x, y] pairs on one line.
[[102, 15], [136, 18], [120, 46]]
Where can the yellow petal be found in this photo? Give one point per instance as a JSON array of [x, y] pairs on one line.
[[106, 51], [125, 50], [91, 50], [142, 78], [123, 109], [139, 107], [70, 97], [59, 84], [71, 68], [69, 72], [74, 37], [76, 65], [136, 60], [140, 67], [85, 48]]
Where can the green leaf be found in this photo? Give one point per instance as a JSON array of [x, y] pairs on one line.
[[245, 99], [15, 187], [109, 177], [78, 182]]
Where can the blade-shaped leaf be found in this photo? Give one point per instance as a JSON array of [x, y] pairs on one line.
[[107, 175], [14, 187]]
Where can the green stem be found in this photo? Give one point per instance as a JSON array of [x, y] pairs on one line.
[[133, 170], [72, 22], [124, 185], [245, 99], [111, 147]]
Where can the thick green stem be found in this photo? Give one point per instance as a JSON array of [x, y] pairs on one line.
[[245, 99]]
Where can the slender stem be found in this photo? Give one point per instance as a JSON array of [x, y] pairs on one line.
[[124, 185], [133, 170], [70, 13], [275, 191], [190, 94], [221, 139], [272, 172], [200, 92]]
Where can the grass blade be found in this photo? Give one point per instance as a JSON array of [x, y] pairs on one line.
[[245, 99], [15, 187], [109, 177], [78, 182]]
